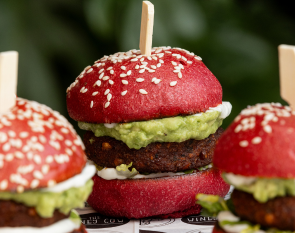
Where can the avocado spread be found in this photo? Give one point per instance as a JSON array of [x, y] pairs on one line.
[[264, 189], [46, 202], [174, 129]]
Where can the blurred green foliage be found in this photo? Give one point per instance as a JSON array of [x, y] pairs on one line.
[[237, 40]]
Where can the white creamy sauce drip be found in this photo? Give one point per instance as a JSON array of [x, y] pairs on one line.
[[76, 181], [63, 226], [112, 173], [224, 108], [228, 216], [238, 180]]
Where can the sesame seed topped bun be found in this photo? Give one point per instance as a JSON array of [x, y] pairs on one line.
[[127, 87], [38, 148], [260, 143]]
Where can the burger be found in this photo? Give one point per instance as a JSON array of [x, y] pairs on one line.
[[151, 124], [256, 156], [43, 171]]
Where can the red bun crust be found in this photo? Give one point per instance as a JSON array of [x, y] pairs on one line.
[[38, 148], [140, 198], [196, 89], [260, 142]]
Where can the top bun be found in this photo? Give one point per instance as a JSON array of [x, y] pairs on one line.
[[38, 148], [127, 87], [260, 142]]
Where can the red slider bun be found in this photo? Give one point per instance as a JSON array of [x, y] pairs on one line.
[[134, 198], [127, 87], [37, 146], [260, 143]]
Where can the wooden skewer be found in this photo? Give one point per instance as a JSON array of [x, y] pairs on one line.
[[287, 73], [8, 80], [146, 31]]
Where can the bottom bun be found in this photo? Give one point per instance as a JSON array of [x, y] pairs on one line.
[[139, 198]]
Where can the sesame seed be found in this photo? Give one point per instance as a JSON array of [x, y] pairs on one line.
[[101, 70], [3, 184], [49, 159], [129, 72], [134, 59], [155, 58], [244, 143], [137, 67], [142, 91], [161, 61], [184, 58], [109, 96], [123, 67], [112, 72], [198, 58], [51, 183], [177, 67], [106, 78], [107, 104], [172, 84], [9, 157], [37, 159], [34, 184], [11, 134], [189, 62], [94, 93], [159, 65], [141, 71], [107, 91], [45, 169], [97, 83], [38, 175], [149, 58], [152, 71], [142, 66], [160, 55], [110, 68], [6, 147], [125, 82], [153, 67], [139, 80], [101, 75], [111, 82], [142, 59], [267, 129], [123, 93], [176, 71], [20, 189], [157, 81], [256, 140], [19, 155], [91, 104], [87, 68], [158, 50], [90, 70], [174, 63], [238, 128], [144, 63], [179, 75], [123, 75]]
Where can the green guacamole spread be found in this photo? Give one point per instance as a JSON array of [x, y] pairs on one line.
[[264, 189], [173, 129], [46, 202]]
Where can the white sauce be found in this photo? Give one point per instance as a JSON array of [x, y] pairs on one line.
[[63, 226], [225, 109], [238, 180], [76, 181], [112, 173], [228, 216]]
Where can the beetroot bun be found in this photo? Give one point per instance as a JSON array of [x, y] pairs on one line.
[[260, 142], [127, 87], [38, 148], [168, 196]]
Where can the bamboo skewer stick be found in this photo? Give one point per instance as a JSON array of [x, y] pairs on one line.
[[146, 31], [287, 73], [8, 80]]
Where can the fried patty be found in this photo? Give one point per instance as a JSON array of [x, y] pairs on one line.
[[156, 157], [17, 215], [278, 212]]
